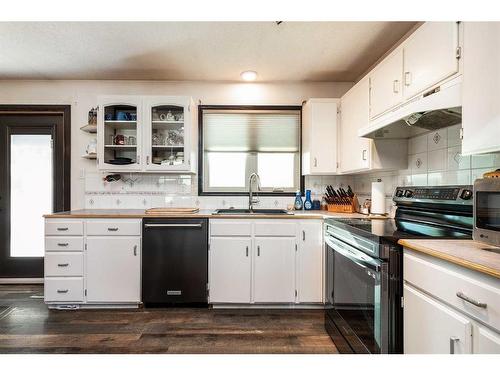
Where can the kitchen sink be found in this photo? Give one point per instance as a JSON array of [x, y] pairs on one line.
[[256, 211]]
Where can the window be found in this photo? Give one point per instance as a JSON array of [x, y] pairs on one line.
[[238, 141]]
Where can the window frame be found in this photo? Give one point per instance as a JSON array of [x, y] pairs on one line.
[[201, 154]]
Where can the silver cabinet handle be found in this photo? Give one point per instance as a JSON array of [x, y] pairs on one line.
[[62, 229], [470, 300], [62, 264], [135, 250], [453, 340], [315, 162], [138, 159], [62, 290], [62, 244], [363, 154], [303, 235], [395, 86], [258, 251], [172, 225], [407, 78], [147, 159], [247, 251], [113, 229]]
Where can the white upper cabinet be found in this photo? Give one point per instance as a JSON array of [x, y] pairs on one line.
[[481, 82], [146, 134], [359, 154], [386, 89], [430, 56], [319, 137], [119, 130]]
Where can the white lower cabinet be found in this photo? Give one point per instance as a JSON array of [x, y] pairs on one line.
[[113, 269], [230, 269], [254, 264], [433, 328], [448, 308], [274, 270]]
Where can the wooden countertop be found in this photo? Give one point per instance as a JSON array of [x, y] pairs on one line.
[[467, 253], [139, 214]]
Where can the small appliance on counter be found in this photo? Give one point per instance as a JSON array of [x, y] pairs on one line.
[[487, 209]]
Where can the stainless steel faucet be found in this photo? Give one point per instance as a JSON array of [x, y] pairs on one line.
[[251, 199]]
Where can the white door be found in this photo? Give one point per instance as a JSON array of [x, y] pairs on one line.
[[430, 56], [481, 80], [386, 89], [355, 113], [486, 341], [230, 266], [167, 138], [433, 328], [274, 271], [113, 269], [119, 135], [310, 262]]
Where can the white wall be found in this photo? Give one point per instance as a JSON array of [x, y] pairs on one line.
[[82, 95]]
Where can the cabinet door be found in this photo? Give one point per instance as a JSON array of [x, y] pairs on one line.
[[119, 133], [167, 135], [113, 269], [274, 270], [430, 56], [386, 84], [310, 262], [230, 265], [433, 328], [486, 341], [481, 80], [355, 150], [319, 137]]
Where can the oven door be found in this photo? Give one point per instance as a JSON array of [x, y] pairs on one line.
[[357, 297]]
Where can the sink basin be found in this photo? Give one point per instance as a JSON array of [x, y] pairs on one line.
[[256, 211]]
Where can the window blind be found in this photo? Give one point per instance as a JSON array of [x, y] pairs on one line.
[[251, 131]]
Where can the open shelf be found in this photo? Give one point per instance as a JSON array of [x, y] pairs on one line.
[[89, 128], [90, 156]]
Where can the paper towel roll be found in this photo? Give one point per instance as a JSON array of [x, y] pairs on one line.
[[378, 198]]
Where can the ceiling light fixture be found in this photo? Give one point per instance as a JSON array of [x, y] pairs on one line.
[[249, 75]]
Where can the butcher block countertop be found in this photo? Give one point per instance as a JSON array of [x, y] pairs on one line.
[[467, 253], [139, 214]]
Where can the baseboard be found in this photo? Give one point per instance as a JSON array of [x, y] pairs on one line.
[[290, 306], [21, 280]]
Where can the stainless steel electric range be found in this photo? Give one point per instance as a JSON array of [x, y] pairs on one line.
[[364, 264]]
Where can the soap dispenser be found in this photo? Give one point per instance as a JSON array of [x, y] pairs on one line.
[[298, 201]]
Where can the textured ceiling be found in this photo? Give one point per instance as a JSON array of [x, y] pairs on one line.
[[206, 51]]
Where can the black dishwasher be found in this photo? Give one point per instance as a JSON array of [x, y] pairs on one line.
[[174, 261]]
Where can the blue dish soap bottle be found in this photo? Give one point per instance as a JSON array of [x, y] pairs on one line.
[[298, 201], [308, 204]]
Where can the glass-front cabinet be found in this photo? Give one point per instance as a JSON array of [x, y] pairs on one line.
[[167, 133], [146, 133]]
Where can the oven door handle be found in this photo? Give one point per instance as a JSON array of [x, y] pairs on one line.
[[351, 254]]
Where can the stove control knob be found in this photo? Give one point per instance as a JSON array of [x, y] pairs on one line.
[[408, 193], [399, 193], [466, 195]]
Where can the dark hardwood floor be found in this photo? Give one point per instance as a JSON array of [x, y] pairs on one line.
[[27, 326]]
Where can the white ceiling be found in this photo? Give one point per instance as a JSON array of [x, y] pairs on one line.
[[206, 51]]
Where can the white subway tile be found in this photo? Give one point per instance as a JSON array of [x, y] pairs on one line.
[[418, 163], [437, 140], [456, 160], [436, 160], [453, 133], [417, 144]]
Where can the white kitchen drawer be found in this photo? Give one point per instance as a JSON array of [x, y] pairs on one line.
[[275, 228], [63, 289], [63, 243], [114, 227], [444, 280], [63, 264], [233, 227], [63, 228]]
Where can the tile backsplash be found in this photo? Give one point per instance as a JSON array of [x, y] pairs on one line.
[[434, 158]]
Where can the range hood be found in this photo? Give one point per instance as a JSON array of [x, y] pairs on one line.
[[435, 109]]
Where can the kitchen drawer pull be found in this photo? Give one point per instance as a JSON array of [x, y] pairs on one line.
[[62, 229], [62, 290], [135, 250], [247, 251], [315, 162], [113, 229], [62, 244], [62, 264], [303, 235], [453, 340], [258, 251], [470, 300], [172, 225], [363, 154], [395, 86], [407, 78]]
